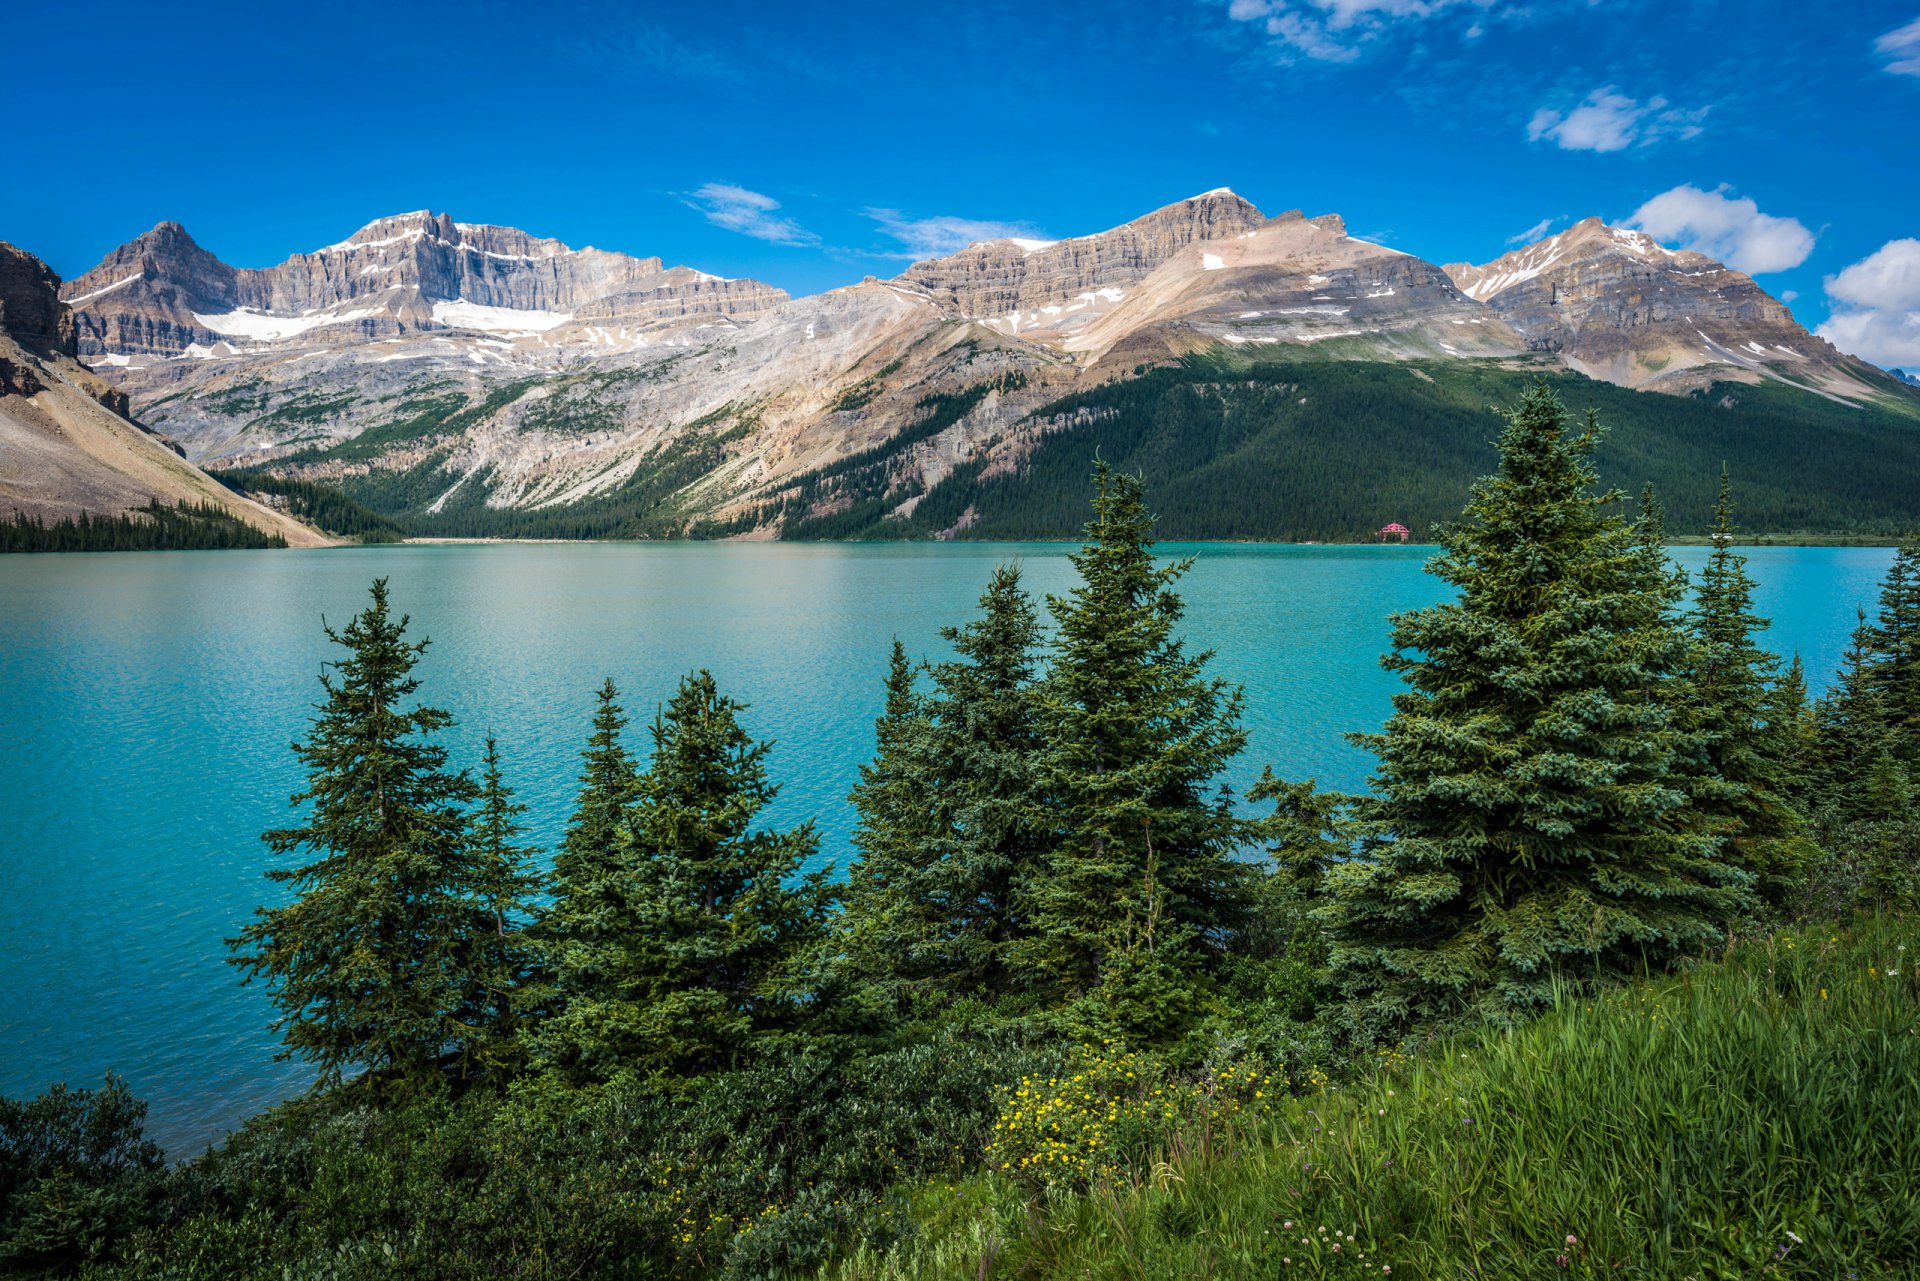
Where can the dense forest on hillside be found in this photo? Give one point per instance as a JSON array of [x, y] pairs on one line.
[[1333, 450], [323, 506], [1605, 974], [155, 527]]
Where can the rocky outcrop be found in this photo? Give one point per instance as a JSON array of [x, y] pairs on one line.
[[66, 446], [1616, 304], [1016, 279], [30, 308]]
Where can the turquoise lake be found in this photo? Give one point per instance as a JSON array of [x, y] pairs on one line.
[[147, 701]]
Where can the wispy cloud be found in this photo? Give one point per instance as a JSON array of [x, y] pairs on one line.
[[1902, 48], [937, 236], [1339, 30], [1535, 232], [1876, 306], [1608, 120], [1724, 226], [748, 212]]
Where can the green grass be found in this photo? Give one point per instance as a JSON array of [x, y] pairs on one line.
[[1758, 1117]]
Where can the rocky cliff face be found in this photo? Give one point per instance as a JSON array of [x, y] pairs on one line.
[[66, 445], [162, 295], [1615, 304], [1011, 282]]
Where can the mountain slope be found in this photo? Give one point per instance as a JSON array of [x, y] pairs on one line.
[[1617, 305], [66, 446]]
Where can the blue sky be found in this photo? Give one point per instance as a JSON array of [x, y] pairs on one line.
[[811, 145]]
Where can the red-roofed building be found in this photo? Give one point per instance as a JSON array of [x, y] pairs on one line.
[[1395, 530]]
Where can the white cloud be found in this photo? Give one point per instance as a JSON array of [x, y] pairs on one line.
[[1534, 232], [1336, 30], [938, 236], [1608, 120], [1720, 225], [1789, 295], [1876, 313], [1902, 47], [748, 212]]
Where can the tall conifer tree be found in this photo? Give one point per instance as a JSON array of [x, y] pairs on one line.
[[1749, 726], [506, 965], [951, 818], [1525, 821], [1140, 879], [372, 964]]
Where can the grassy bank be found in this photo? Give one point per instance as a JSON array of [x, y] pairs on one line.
[[1757, 1117]]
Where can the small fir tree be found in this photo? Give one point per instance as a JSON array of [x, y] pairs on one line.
[[1126, 907], [373, 962], [506, 968], [710, 951], [1525, 822]]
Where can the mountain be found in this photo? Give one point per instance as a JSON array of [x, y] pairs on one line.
[[465, 378], [66, 444], [1617, 305]]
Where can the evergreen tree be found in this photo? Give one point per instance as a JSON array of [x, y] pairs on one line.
[[506, 965], [1749, 728], [589, 922], [709, 953], [950, 815], [1525, 821], [1127, 904], [1896, 643], [371, 963]]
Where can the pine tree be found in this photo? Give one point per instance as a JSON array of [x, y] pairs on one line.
[[1140, 881], [371, 964], [950, 816], [710, 947], [1749, 731], [607, 783], [1525, 822], [1896, 643], [506, 964]]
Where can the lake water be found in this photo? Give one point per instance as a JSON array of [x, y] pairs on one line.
[[147, 701]]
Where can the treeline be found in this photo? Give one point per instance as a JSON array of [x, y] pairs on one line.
[[321, 505], [676, 1054], [154, 527]]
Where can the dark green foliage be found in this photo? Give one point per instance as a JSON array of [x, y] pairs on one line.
[[321, 505], [1526, 823], [372, 963], [1125, 905], [182, 527], [706, 942], [506, 964], [1746, 726], [952, 819], [75, 1176]]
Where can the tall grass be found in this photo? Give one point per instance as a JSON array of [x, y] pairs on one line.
[[1757, 1117]]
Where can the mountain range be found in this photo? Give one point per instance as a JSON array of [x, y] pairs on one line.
[[468, 378]]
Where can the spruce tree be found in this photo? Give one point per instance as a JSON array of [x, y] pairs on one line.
[[588, 923], [1751, 726], [951, 819], [1525, 822], [506, 965], [1896, 643], [1138, 884], [372, 963], [710, 943]]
